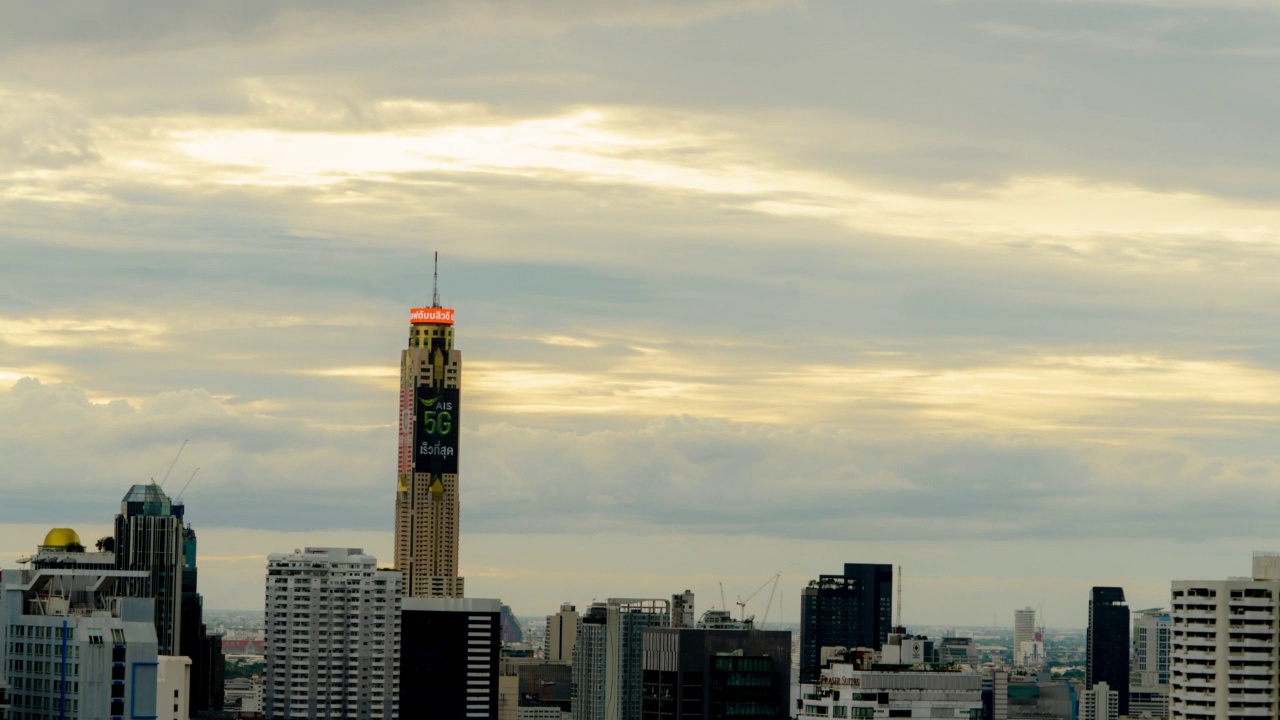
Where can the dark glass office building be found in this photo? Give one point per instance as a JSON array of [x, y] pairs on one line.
[[850, 610], [1108, 643], [449, 652], [697, 674]]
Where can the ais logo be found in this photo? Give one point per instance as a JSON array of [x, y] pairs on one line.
[[437, 417]]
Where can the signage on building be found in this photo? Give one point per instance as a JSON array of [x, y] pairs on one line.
[[431, 316], [435, 430]]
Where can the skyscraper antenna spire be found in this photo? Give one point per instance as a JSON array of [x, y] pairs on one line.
[[435, 282]]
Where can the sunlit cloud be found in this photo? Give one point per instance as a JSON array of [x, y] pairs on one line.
[[80, 332]]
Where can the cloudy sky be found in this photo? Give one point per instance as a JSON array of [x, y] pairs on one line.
[[982, 288]]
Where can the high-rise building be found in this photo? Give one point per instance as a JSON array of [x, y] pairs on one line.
[[608, 657], [682, 610], [450, 649], [1024, 631], [1107, 643], [850, 610], [426, 537], [562, 630], [713, 674], [1151, 630], [72, 645], [1224, 656], [332, 636], [1149, 674], [149, 537]]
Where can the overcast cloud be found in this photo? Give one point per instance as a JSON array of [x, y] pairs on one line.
[[983, 288]]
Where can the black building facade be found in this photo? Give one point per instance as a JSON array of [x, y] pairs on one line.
[[449, 652], [850, 610], [692, 674], [1108, 642]]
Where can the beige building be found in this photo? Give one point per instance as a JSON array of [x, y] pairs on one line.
[[426, 537], [1224, 657]]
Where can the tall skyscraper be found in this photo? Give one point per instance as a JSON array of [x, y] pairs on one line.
[[1224, 654], [1107, 644], [426, 539], [332, 636], [149, 537], [850, 610]]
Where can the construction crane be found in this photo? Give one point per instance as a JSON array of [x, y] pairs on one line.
[[742, 604], [175, 462]]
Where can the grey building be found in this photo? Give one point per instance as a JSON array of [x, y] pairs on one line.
[[703, 674]]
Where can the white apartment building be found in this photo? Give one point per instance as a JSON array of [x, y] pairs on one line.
[[847, 692], [1224, 651], [1100, 703], [173, 687], [71, 648], [332, 636]]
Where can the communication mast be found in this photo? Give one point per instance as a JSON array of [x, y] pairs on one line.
[[898, 622], [435, 282]]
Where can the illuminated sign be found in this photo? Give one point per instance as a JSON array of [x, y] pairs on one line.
[[435, 430], [431, 316]]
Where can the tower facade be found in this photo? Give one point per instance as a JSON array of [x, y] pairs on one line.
[[1107, 658], [1024, 631], [426, 538]]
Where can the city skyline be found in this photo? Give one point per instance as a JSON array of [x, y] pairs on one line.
[[983, 289]]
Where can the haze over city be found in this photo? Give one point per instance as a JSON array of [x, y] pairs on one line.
[[984, 289]]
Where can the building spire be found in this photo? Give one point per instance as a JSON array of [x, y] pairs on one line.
[[435, 283]]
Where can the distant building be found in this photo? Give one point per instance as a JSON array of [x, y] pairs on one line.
[[861, 689], [608, 660], [332, 636], [512, 633], [1107, 648], [1024, 632], [244, 696], [71, 646], [716, 674], [1149, 675], [449, 657], [958, 650], [1100, 703], [562, 630], [173, 687], [1223, 648], [850, 610], [682, 610]]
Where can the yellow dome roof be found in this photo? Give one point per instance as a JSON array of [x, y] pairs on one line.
[[61, 537]]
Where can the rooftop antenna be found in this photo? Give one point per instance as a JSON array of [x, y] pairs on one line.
[[899, 622], [184, 487], [175, 462], [435, 282]]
